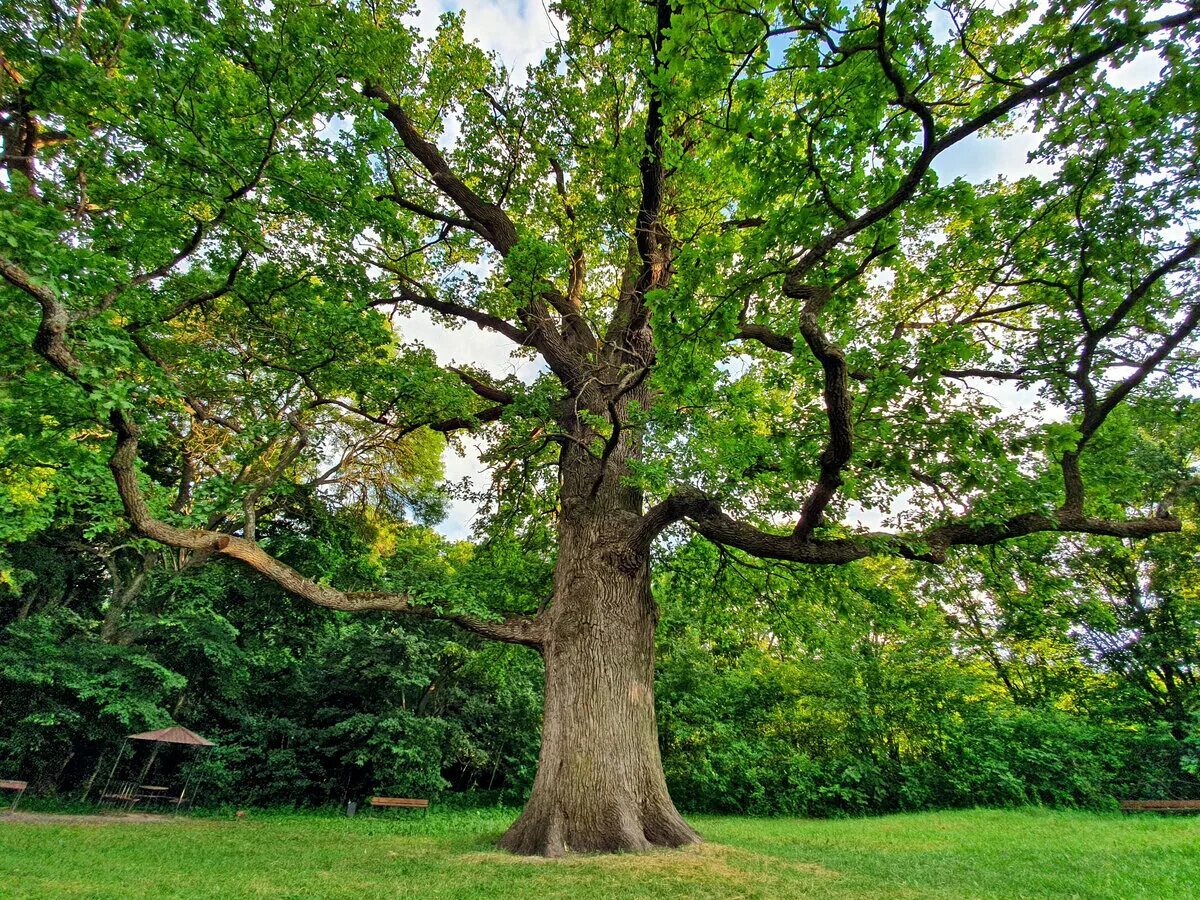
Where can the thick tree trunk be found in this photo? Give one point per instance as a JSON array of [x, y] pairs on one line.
[[600, 784]]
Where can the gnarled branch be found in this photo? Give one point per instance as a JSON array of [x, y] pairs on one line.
[[704, 515], [486, 218], [51, 343]]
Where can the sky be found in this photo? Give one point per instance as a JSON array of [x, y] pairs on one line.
[[519, 31]]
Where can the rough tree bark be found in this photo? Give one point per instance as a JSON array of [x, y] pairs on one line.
[[600, 784]]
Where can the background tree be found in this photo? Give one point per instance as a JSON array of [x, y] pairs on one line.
[[718, 226]]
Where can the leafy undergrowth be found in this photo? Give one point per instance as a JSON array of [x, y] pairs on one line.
[[1024, 853]]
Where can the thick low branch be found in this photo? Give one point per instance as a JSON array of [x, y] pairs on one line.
[[123, 466], [1021, 374], [51, 344], [704, 516]]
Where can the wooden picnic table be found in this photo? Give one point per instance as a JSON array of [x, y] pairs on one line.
[[154, 793]]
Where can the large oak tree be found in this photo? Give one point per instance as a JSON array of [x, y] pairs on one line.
[[719, 228]]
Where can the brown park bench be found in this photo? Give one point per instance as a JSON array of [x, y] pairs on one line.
[[1162, 806], [18, 786], [400, 803]]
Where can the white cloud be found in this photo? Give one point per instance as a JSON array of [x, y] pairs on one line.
[[469, 346], [461, 512], [517, 31], [1140, 71], [494, 354], [981, 158]]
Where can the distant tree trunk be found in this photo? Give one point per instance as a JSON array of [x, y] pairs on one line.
[[46, 781], [1175, 708], [23, 612], [91, 780], [124, 595], [600, 783]]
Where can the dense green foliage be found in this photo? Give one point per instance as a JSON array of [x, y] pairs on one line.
[[449, 855], [306, 706], [876, 688], [882, 691]]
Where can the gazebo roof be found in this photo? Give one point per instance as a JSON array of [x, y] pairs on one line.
[[173, 735]]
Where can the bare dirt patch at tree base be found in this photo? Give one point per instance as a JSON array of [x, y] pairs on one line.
[[700, 861]]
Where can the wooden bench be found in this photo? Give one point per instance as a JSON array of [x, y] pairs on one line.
[[400, 803], [125, 794], [18, 786], [1162, 806]]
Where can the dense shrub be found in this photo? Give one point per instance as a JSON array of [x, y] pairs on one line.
[[835, 696]]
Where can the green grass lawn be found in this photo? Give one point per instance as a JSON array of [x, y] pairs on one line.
[[1025, 853]]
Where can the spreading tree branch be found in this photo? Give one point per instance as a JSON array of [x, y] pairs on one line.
[[431, 214], [1096, 410], [704, 515], [933, 145], [482, 388], [51, 343], [495, 226], [459, 311], [485, 217]]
